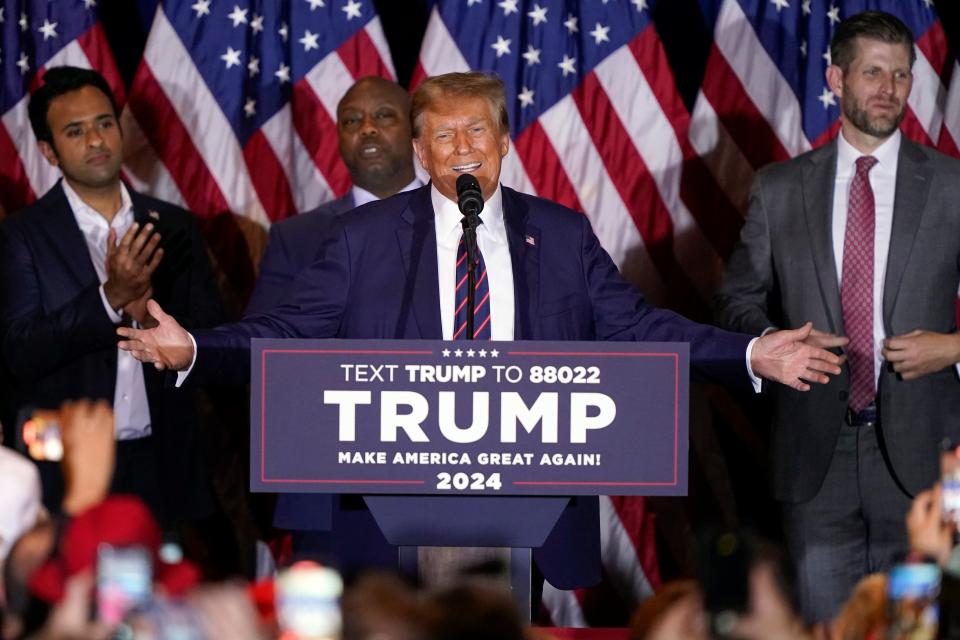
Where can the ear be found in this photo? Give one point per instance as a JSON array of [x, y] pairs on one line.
[[835, 80], [419, 150], [504, 145], [49, 153]]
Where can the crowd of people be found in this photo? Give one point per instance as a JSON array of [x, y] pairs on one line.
[[841, 308]]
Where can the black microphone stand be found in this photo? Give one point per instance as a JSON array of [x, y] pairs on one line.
[[469, 223]]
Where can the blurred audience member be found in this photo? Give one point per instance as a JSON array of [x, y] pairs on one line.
[[383, 607], [474, 610], [674, 611], [865, 613], [19, 499]]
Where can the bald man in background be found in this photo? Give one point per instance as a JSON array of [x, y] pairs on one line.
[[373, 127]]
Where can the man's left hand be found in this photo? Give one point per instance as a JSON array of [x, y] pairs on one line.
[[784, 357], [920, 353]]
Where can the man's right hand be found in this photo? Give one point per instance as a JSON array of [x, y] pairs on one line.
[[130, 264], [166, 346]]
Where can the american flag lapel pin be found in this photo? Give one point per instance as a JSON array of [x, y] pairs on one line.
[[530, 240], [153, 215]]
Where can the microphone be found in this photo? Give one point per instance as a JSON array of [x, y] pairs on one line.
[[469, 197]]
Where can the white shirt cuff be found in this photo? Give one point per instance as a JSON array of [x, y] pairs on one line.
[[754, 380], [111, 312], [182, 375]]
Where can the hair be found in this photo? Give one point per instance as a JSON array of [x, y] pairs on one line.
[[56, 82], [874, 25], [472, 84]]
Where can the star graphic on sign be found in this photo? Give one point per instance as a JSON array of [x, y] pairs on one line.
[[568, 65], [640, 5], [571, 24], [202, 7], [538, 14], [532, 55], [238, 15], [352, 9], [309, 40], [525, 97], [23, 63], [253, 66], [508, 6], [231, 57], [780, 4], [599, 34], [23, 22], [446, 353], [805, 7], [827, 98], [834, 14], [470, 353], [483, 353], [316, 3], [250, 107], [283, 73], [501, 46], [256, 24], [89, 4], [284, 31], [48, 29], [494, 353], [458, 352]]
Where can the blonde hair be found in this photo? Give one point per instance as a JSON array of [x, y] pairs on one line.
[[471, 84]]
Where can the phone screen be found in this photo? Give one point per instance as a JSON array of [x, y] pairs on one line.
[[124, 581], [912, 594], [41, 438], [950, 481]]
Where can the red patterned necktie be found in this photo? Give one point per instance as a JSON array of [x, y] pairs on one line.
[[856, 285], [481, 304]]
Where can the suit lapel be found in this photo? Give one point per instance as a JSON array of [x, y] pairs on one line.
[[524, 242], [418, 250], [64, 235], [914, 176], [819, 176]]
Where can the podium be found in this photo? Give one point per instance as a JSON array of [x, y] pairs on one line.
[[467, 445]]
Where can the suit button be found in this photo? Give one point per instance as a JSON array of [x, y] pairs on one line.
[[843, 395]]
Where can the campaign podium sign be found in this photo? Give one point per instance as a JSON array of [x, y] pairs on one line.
[[469, 444]]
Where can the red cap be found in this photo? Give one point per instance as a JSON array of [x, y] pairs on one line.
[[119, 521]]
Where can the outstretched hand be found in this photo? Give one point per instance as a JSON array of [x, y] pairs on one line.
[[165, 346], [785, 357]]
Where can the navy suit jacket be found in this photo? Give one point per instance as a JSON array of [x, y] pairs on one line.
[[59, 343], [376, 277]]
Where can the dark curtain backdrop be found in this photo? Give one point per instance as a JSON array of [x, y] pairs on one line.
[[683, 26]]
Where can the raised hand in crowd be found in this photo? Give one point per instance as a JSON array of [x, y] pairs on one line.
[[130, 263], [929, 534], [166, 346]]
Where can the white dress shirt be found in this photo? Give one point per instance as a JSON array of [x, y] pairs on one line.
[[362, 196], [492, 241], [883, 178], [130, 409]]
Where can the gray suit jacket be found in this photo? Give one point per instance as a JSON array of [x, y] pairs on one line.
[[782, 274]]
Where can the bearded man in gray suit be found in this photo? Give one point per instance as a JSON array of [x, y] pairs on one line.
[[862, 238]]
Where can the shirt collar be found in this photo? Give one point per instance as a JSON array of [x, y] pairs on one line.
[[362, 196], [886, 153], [447, 215], [81, 208]]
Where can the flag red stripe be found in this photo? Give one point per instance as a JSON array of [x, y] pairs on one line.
[[914, 130], [948, 145], [717, 217], [97, 49], [268, 177], [638, 523], [361, 57], [739, 115], [544, 168], [318, 132], [15, 189], [418, 76], [936, 48]]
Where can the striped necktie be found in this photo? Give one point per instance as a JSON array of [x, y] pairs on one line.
[[481, 314]]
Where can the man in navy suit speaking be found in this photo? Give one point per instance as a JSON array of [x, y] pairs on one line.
[[388, 270]]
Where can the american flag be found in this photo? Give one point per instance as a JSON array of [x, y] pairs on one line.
[[38, 34], [233, 111], [764, 96]]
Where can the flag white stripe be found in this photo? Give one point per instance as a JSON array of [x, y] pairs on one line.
[[721, 154], [308, 185], [329, 79], [926, 96], [619, 557], [563, 606], [440, 53], [143, 167], [375, 31]]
